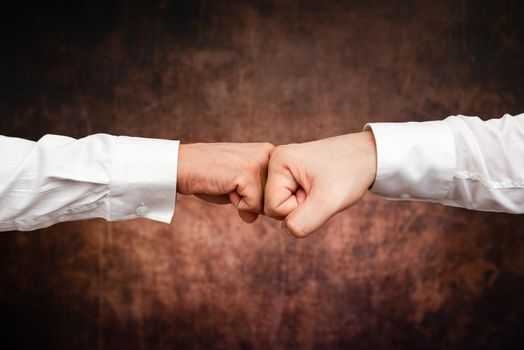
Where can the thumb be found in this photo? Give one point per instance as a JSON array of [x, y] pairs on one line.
[[313, 212]]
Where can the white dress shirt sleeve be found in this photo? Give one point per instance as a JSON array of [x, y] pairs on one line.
[[60, 178], [460, 161]]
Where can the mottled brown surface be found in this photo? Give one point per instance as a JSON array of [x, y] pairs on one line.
[[381, 275]]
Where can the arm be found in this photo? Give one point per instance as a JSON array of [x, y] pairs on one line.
[[119, 178], [60, 178], [460, 161]]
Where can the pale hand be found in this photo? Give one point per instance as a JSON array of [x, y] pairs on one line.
[[309, 183]]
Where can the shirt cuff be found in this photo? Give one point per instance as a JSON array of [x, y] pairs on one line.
[[143, 179], [414, 160]]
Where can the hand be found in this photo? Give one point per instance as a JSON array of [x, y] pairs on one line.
[[309, 183], [226, 173]]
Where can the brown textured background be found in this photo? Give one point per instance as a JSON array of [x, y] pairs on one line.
[[381, 275]]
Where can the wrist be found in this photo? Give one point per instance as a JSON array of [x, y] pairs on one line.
[[369, 161], [186, 161]]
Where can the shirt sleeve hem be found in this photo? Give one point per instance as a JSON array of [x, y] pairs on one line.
[[414, 159], [143, 179]]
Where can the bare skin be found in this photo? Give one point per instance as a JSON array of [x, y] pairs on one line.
[[311, 182], [226, 173]]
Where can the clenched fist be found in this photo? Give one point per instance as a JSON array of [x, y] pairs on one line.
[[226, 173], [309, 183]]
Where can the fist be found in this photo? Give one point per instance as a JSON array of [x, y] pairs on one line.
[[311, 182], [226, 173]]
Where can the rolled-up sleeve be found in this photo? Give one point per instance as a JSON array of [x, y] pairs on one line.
[[60, 178], [459, 161]]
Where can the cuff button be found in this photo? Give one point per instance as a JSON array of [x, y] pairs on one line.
[[141, 210]]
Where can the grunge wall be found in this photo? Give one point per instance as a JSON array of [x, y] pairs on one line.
[[391, 275]]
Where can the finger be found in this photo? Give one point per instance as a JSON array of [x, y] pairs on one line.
[[290, 204], [216, 199], [311, 214], [234, 198], [251, 192], [280, 198], [247, 216], [301, 195], [252, 197]]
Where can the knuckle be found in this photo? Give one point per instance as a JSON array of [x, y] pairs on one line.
[[268, 147], [253, 169], [278, 152], [296, 229], [258, 207], [264, 151], [271, 210], [286, 151], [256, 166], [251, 203], [255, 208]]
